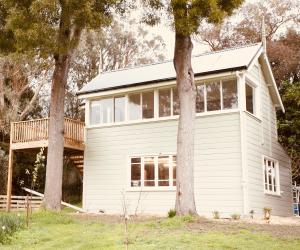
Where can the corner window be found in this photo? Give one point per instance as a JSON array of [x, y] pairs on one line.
[[249, 98], [200, 104], [271, 176], [119, 109], [176, 105], [153, 171]]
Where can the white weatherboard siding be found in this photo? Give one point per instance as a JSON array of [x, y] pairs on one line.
[[261, 137], [217, 165]]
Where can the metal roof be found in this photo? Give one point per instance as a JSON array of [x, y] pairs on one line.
[[207, 63]]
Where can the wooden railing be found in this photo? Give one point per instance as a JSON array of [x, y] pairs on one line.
[[37, 130]]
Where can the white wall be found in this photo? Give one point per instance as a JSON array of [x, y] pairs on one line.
[[261, 137], [217, 165]]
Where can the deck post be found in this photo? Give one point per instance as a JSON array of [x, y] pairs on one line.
[[10, 171]]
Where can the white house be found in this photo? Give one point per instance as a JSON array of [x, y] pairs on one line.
[[131, 132]]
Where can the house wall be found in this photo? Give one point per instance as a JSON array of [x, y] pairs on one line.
[[261, 139], [217, 165]]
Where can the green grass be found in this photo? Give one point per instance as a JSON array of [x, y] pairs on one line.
[[60, 231]]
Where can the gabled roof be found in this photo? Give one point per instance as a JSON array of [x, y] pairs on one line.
[[233, 59], [203, 64]]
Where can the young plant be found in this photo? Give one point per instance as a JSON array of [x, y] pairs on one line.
[[216, 215], [251, 214], [267, 213], [235, 216], [171, 213]]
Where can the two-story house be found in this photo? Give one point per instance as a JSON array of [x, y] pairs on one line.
[[131, 131]]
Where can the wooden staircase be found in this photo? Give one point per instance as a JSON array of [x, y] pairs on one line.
[[77, 160]]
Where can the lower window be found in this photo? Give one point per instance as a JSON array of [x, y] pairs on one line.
[[271, 176], [153, 171]]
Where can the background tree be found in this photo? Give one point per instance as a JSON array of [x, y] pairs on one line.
[[283, 48], [186, 17], [52, 29]]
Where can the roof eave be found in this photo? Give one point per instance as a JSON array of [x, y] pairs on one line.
[[266, 64]]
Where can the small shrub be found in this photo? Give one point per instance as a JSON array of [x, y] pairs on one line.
[[267, 213], [235, 216], [9, 224], [171, 213], [216, 215], [251, 214]]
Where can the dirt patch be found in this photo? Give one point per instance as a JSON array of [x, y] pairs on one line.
[[228, 226]]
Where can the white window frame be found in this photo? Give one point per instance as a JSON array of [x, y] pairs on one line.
[[255, 93], [277, 176], [156, 104], [143, 188]]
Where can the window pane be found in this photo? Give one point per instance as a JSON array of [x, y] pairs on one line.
[[230, 96], [149, 171], [164, 102], [134, 106], [148, 105], [120, 109], [135, 172], [163, 171], [95, 112], [213, 96], [249, 99], [176, 107], [200, 99], [174, 170]]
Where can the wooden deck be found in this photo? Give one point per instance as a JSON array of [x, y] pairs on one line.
[[34, 134]]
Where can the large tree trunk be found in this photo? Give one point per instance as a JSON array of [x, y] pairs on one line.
[[54, 170], [185, 201]]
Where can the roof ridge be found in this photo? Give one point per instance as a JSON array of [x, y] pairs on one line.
[[167, 61]]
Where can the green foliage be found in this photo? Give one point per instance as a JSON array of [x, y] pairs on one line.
[[289, 124], [9, 224], [187, 15], [171, 213]]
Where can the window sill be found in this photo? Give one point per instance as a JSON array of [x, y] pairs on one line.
[[151, 189], [272, 194], [161, 119], [253, 116]]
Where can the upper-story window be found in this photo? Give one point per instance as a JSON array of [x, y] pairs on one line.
[[164, 102], [108, 110], [249, 98], [218, 95]]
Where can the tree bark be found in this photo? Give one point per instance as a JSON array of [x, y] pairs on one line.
[[185, 201], [54, 170]]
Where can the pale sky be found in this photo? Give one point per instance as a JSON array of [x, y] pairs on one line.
[[168, 35]]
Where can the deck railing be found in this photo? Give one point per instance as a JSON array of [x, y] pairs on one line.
[[37, 130]]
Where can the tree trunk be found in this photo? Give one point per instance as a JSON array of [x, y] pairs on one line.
[[54, 170], [185, 201]]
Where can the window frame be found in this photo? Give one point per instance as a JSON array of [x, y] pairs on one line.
[[156, 187], [277, 176], [155, 91]]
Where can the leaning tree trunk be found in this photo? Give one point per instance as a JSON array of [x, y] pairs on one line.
[[54, 170], [185, 201]]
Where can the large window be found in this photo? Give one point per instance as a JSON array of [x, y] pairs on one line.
[[218, 95], [210, 96], [271, 176], [249, 98], [153, 171], [102, 111]]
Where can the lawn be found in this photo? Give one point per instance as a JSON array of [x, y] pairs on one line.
[[71, 231]]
